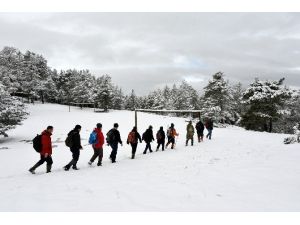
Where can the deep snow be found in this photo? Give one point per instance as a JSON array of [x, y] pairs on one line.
[[237, 170]]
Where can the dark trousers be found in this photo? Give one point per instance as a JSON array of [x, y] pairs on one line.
[[162, 144], [75, 157], [148, 146], [209, 133], [43, 159], [113, 154], [200, 136], [171, 140], [98, 152], [133, 147]]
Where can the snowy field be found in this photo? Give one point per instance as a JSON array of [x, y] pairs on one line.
[[237, 170]]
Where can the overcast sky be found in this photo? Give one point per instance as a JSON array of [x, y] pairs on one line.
[[143, 51]]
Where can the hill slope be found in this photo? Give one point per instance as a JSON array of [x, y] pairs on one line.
[[237, 170]]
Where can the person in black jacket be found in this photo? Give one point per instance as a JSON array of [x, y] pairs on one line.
[[113, 139], [133, 138], [209, 126], [148, 138], [75, 147], [160, 136], [200, 129]]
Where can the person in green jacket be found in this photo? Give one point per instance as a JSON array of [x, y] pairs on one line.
[[190, 131]]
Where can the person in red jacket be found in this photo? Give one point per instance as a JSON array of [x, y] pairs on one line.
[[46, 150], [98, 146]]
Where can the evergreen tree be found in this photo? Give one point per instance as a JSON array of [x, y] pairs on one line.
[[12, 111], [104, 92], [263, 100], [131, 101], [216, 99]]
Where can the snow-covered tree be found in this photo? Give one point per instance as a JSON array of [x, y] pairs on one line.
[[131, 101], [216, 99], [104, 92], [12, 111], [263, 100], [118, 98]]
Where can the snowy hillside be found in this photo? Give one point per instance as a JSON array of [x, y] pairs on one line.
[[237, 170]]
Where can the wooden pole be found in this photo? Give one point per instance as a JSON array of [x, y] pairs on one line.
[[135, 118]]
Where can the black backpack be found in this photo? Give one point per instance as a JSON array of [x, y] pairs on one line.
[[69, 140], [37, 143], [110, 136]]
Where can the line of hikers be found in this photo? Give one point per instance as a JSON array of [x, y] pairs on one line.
[[43, 145]]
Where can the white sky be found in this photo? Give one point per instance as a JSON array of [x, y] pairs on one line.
[[143, 51]]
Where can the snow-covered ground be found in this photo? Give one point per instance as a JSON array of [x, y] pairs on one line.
[[237, 170]]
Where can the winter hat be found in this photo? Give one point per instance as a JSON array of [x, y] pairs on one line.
[[99, 125], [116, 125], [172, 124], [77, 127], [161, 128], [150, 127]]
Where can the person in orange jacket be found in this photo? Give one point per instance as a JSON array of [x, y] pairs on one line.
[[98, 146], [46, 151], [171, 134]]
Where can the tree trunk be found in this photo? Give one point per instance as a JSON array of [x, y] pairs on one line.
[[270, 125]]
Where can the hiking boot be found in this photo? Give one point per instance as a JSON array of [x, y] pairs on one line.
[[99, 164], [32, 171], [113, 161], [49, 168], [75, 168], [144, 153], [90, 163], [67, 167], [132, 157], [151, 151]]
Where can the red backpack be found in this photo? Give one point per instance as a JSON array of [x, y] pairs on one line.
[[131, 137]]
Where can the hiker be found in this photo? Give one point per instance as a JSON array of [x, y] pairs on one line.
[[171, 134], [133, 138], [209, 126], [113, 139], [97, 141], [200, 129], [75, 147], [190, 131], [160, 137], [148, 138], [45, 151]]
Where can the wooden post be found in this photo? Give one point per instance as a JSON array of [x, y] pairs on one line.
[[135, 118]]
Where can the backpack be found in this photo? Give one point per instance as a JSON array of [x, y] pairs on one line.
[[93, 138], [131, 137], [110, 136], [37, 143], [69, 141], [158, 135]]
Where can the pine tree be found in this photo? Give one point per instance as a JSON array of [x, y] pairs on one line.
[[263, 100], [104, 93], [131, 101], [12, 111], [216, 99]]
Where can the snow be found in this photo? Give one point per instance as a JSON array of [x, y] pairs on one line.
[[237, 170]]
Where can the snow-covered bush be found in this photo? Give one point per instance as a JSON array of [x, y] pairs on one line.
[[296, 137]]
